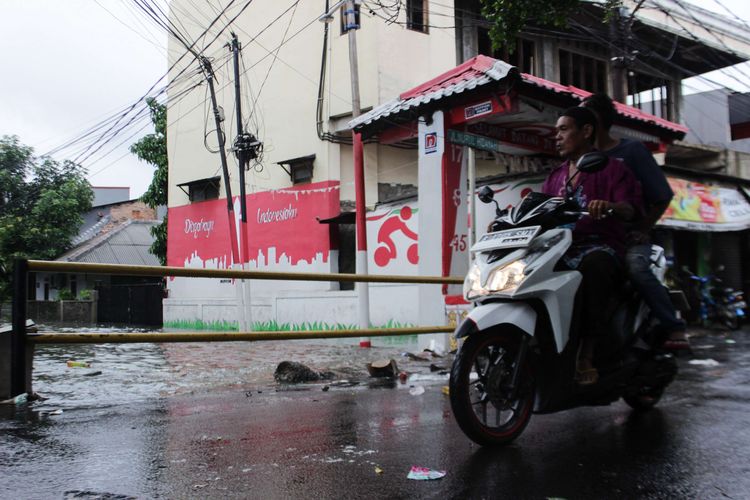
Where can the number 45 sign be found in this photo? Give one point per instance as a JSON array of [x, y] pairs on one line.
[[459, 243]]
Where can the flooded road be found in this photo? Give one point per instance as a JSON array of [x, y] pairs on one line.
[[207, 421]]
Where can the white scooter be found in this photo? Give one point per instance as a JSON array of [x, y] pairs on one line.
[[521, 339]]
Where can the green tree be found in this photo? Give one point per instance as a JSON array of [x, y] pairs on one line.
[[152, 149], [41, 202], [509, 17]]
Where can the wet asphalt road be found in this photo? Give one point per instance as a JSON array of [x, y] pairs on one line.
[[259, 441]]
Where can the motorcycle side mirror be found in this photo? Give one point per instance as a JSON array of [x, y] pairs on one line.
[[486, 194], [592, 162]]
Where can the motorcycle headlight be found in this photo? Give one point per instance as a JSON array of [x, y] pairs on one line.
[[472, 286], [507, 277], [502, 279]]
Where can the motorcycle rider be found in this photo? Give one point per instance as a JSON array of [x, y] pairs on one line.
[[657, 195], [598, 243]]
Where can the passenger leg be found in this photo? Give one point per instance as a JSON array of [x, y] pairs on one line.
[[656, 296]]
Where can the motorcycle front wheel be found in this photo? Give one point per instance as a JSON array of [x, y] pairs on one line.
[[484, 404]]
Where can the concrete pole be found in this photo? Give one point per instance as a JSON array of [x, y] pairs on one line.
[[246, 315], [363, 291], [237, 262]]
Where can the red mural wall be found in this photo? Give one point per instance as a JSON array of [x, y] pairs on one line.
[[285, 219]]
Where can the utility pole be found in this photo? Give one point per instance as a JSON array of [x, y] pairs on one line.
[[209, 74], [245, 148], [363, 291]]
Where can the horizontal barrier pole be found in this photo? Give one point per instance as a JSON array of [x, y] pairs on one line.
[[159, 337], [121, 269]]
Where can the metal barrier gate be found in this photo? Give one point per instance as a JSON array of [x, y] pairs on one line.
[[20, 355]]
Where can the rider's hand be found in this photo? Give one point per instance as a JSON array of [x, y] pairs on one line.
[[599, 209]]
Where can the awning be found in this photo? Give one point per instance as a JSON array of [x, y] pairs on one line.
[[702, 207], [342, 218], [478, 75]]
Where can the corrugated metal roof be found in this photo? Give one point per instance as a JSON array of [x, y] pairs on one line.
[[479, 71], [125, 244], [474, 73], [622, 109]]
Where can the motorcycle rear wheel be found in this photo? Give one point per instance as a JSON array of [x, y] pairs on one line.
[[480, 388]]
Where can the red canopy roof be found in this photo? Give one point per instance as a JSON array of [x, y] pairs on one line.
[[479, 71]]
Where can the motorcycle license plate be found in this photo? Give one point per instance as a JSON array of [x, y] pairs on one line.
[[508, 238]]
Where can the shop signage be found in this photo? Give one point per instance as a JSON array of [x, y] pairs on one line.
[[702, 207]]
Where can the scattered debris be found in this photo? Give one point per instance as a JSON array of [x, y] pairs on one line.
[[730, 341], [414, 357], [433, 353], [92, 374], [383, 368], [18, 400], [704, 362], [55, 412], [446, 390], [290, 372], [424, 474], [325, 388], [78, 364], [437, 368], [417, 390], [378, 470], [402, 376]]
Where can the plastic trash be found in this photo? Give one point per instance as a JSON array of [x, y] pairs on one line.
[[55, 412], [78, 364], [424, 474], [446, 390], [704, 362], [416, 391], [378, 470], [730, 341], [18, 400]]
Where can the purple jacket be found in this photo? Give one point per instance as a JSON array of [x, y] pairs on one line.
[[614, 183]]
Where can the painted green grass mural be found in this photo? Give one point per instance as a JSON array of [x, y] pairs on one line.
[[275, 326]]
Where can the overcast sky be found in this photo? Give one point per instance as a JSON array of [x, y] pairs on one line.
[[67, 64]]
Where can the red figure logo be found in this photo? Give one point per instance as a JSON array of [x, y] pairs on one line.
[[386, 251]]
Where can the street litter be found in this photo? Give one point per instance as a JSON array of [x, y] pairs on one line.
[[433, 353], [402, 376], [414, 357], [383, 368], [291, 372], [730, 341], [420, 377], [55, 412], [437, 368], [18, 400], [704, 362], [446, 390], [708, 346], [92, 374], [78, 364], [416, 391], [378, 470], [424, 474]]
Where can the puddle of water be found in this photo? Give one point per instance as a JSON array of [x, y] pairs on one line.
[[127, 373]]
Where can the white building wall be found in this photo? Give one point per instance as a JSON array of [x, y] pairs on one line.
[[392, 59]]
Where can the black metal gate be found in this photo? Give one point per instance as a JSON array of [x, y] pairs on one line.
[[137, 304]]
